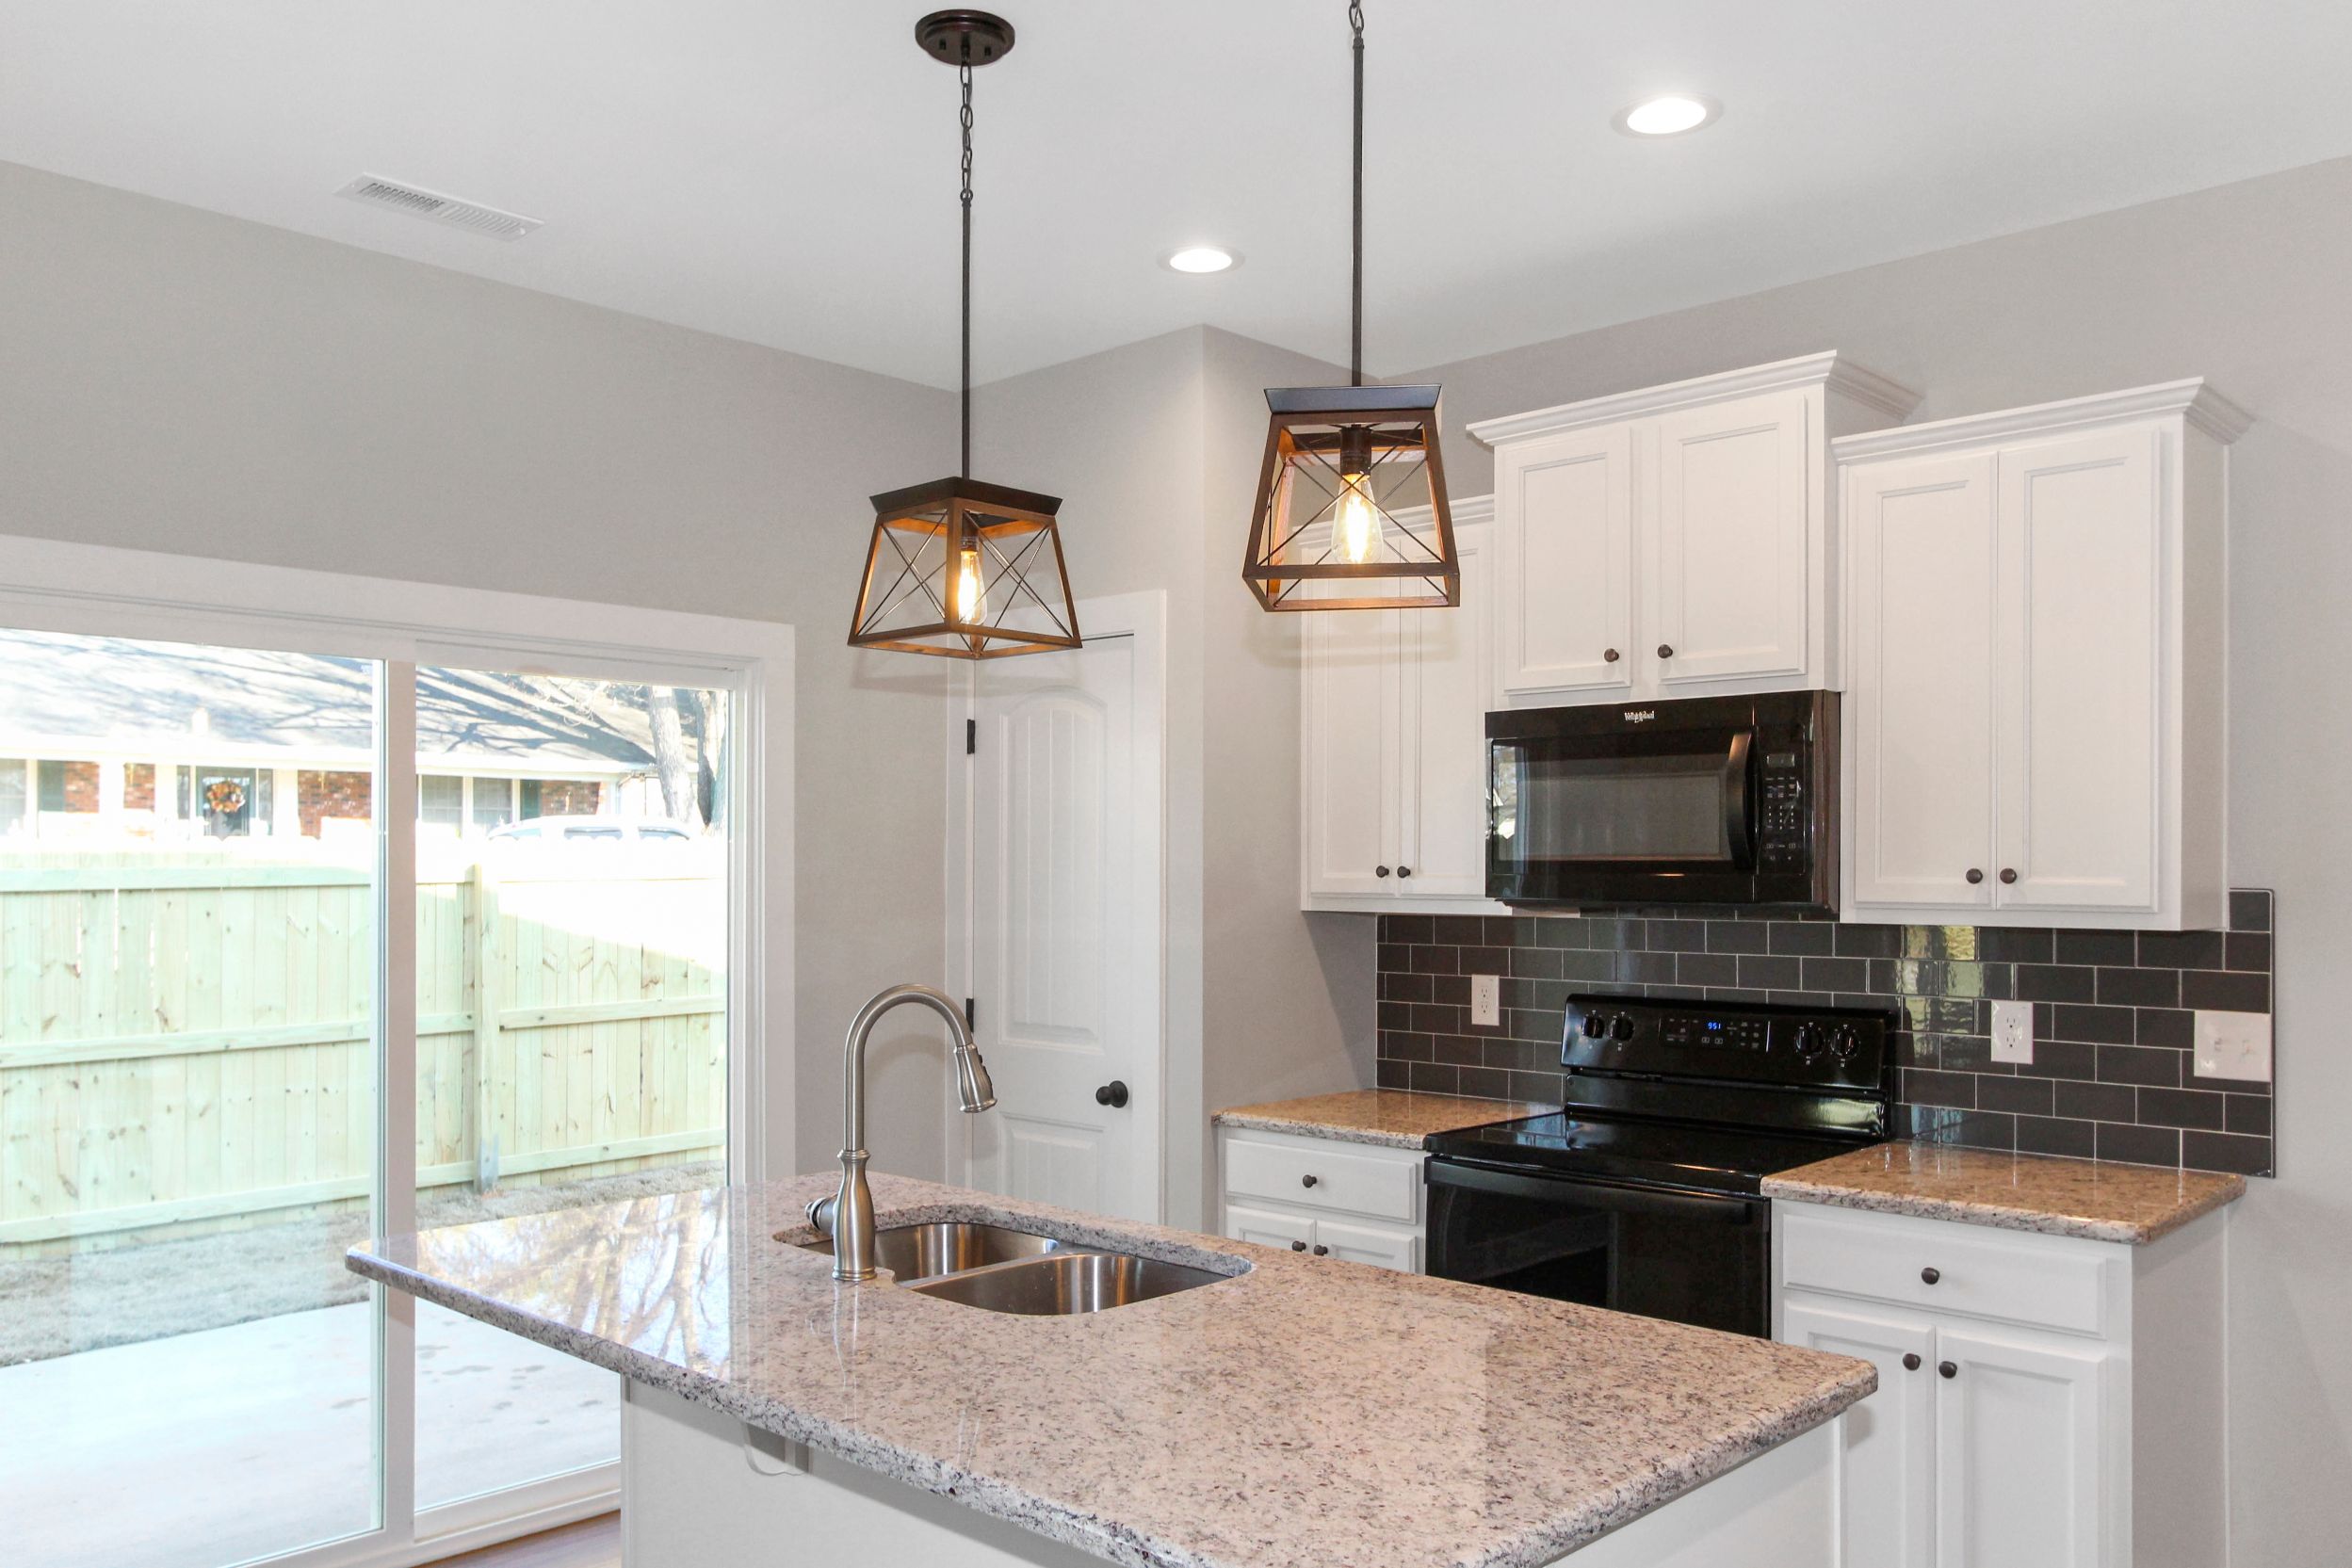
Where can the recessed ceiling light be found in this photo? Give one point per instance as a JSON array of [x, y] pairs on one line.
[[1668, 116], [1201, 258]]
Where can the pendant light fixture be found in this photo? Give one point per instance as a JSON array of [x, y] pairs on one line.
[[1350, 510], [959, 567]]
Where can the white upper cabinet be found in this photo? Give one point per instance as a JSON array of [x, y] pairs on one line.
[[1393, 724], [2038, 607], [1678, 541]]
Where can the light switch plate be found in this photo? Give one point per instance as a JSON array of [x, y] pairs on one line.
[[2013, 1032], [1485, 1001], [2234, 1045]]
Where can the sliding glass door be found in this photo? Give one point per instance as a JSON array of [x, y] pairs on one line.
[[209, 856]]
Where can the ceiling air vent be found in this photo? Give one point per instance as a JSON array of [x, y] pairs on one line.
[[455, 212]]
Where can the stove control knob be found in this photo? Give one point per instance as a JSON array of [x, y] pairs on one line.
[[1621, 1026], [1809, 1042], [1595, 1026], [1844, 1043]]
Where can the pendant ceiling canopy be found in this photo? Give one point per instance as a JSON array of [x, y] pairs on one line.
[[1350, 510], [957, 567]]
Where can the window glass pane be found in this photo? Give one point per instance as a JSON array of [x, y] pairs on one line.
[[186, 1370], [440, 801], [572, 1023], [493, 802], [12, 792]]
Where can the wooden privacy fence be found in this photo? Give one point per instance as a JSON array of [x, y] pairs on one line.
[[185, 1038]]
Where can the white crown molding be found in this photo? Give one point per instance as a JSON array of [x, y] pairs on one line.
[[2199, 404], [1864, 386]]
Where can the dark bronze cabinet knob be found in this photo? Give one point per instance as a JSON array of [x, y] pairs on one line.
[[1112, 1094], [1910, 1361], [1404, 870], [1975, 875], [1609, 655], [1930, 1275], [1380, 871], [1946, 1368], [2008, 875], [1665, 650], [1321, 1250], [1308, 1181], [1298, 1246]]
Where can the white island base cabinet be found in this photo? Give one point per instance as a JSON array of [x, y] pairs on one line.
[[1323, 1196], [698, 1488], [2044, 1401]]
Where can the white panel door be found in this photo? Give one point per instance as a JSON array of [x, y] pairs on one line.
[[1065, 998], [1269, 1228], [2080, 655], [1447, 676], [2019, 1461], [1377, 1245], [1886, 1469], [1919, 712], [1353, 739], [1564, 611], [1732, 546]]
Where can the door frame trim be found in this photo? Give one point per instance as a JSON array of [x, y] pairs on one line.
[[1142, 615]]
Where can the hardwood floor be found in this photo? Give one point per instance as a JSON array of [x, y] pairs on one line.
[[591, 1544]]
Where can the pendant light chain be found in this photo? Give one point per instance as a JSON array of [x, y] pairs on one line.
[[963, 76], [1356, 322]]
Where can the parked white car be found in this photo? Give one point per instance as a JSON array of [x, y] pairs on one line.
[[593, 830]]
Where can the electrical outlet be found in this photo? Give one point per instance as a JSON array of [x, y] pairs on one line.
[[2234, 1045], [1485, 1001], [2013, 1032]]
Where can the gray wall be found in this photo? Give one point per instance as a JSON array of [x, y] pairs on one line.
[[179, 381], [1153, 448], [2244, 284]]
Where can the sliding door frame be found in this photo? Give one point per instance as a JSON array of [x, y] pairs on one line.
[[61, 586]]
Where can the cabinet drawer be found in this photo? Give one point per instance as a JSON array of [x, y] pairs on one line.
[[1315, 1174], [1975, 1274]]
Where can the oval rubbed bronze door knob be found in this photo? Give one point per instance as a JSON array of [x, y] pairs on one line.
[[1665, 650], [1930, 1275], [2008, 874], [1609, 655], [1947, 1369], [1112, 1094], [1910, 1361], [1298, 1246], [1975, 875]]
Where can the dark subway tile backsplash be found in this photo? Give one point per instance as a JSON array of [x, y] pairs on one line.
[[2113, 1015]]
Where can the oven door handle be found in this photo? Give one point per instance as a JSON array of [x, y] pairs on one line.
[[1587, 1193]]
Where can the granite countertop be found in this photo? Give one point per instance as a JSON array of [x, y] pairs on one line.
[[1398, 1421], [1393, 1118], [2102, 1199]]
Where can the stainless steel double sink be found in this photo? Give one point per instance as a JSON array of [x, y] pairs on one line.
[[999, 1269]]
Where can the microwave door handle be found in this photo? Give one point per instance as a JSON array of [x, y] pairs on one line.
[[1738, 799]]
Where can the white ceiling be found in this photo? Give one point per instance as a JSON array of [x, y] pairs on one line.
[[784, 170]]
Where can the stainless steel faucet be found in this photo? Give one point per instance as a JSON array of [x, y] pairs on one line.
[[848, 1216]]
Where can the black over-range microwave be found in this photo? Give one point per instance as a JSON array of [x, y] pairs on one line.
[[1700, 801]]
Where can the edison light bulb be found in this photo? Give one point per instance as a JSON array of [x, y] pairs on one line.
[[1359, 521], [971, 595]]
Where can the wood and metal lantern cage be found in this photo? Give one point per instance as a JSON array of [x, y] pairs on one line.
[[1350, 509], [965, 569]]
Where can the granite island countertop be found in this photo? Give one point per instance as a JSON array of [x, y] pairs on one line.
[[1398, 1421], [1392, 1118], [2100, 1200]]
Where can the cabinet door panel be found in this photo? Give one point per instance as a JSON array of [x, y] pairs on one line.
[[1269, 1228], [1447, 681], [1565, 507], [1919, 795], [1351, 742], [2019, 1457], [1887, 1472], [1731, 543], [1383, 1248], [2080, 656]]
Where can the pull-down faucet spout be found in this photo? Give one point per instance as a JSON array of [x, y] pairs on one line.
[[848, 1216]]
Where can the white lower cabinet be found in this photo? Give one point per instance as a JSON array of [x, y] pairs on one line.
[[1324, 1197], [2044, 1401]]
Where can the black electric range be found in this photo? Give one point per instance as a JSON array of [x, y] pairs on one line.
[[1642, 1195]]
